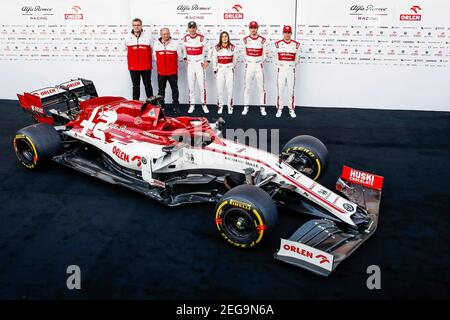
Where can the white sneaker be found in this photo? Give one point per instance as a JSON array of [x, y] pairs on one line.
[[220, 109], [205, 108], [191, 108], [279, 111], [230, 110], [245, 111], [263, 111], [292, 113]]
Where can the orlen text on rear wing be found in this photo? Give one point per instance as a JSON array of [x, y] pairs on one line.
[[37, 101]]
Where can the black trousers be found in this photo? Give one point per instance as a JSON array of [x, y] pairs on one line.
[[146, 76], [173, 81]]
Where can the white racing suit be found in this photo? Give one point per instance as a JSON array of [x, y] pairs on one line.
[[255, 54], [286, 58], [194, 52], [224, 61]]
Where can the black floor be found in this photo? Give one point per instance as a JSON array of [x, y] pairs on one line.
[[130, 247]]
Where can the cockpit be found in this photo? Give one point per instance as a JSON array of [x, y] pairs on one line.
[[155, 116]]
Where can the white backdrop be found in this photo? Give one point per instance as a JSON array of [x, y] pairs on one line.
[[374, 54], [370, 58]]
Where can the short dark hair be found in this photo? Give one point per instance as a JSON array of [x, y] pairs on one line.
[[137, 20]]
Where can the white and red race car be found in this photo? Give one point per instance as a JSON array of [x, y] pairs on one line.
[[185, 160]]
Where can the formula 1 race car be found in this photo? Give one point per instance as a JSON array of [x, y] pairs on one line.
[[186, 160]]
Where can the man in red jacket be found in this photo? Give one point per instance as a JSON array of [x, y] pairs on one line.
[[167, 53], [139, 59]]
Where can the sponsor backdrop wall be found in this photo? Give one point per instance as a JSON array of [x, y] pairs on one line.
[[367, 54]]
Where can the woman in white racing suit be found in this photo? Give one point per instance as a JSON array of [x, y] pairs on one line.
[[223, 58]]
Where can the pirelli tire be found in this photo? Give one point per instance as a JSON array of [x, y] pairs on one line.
[[35, 145], [244, 216], [310, 150]]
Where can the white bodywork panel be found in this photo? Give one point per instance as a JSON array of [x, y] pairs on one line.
[[231, 156]]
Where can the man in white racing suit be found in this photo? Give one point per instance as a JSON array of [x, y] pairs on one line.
[[286, 58], [255, 55], [195, 45], [223, 58]]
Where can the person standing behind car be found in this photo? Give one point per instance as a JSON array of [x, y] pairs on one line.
[[223, 58], [195, 46], [167, 52], [287, 56], [255, 54], [139, 58]]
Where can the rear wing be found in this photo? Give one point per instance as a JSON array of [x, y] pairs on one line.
[[37, 101]]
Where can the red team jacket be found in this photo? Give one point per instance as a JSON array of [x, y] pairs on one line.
[[139, 52], [166, 56]]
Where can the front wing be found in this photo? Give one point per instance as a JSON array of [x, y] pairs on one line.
[[320, 245]]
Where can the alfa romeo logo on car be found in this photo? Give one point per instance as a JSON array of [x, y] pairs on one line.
[[138, 120], [348, 207]]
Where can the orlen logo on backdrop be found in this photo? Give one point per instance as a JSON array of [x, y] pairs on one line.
[[75, 14], [412, 17], [237, 14]]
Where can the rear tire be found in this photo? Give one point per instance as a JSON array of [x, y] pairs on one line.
[[311, 155], [244, 215], [36, 144]]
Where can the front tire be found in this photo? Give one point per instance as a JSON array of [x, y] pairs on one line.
[[36, 144], [244, 215], [310, 155]]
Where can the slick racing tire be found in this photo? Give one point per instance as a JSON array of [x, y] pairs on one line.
[[244, 215], [36, 144], [311, 155]]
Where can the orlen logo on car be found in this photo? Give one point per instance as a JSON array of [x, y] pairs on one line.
[[75, 14], [45, 92], [73, 84], [120, 154], [412, 17], [237, 14], [299, 251], [320, 258], [125, 157]]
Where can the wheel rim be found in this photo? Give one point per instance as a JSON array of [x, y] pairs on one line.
[[238, 225], [24, 151]]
